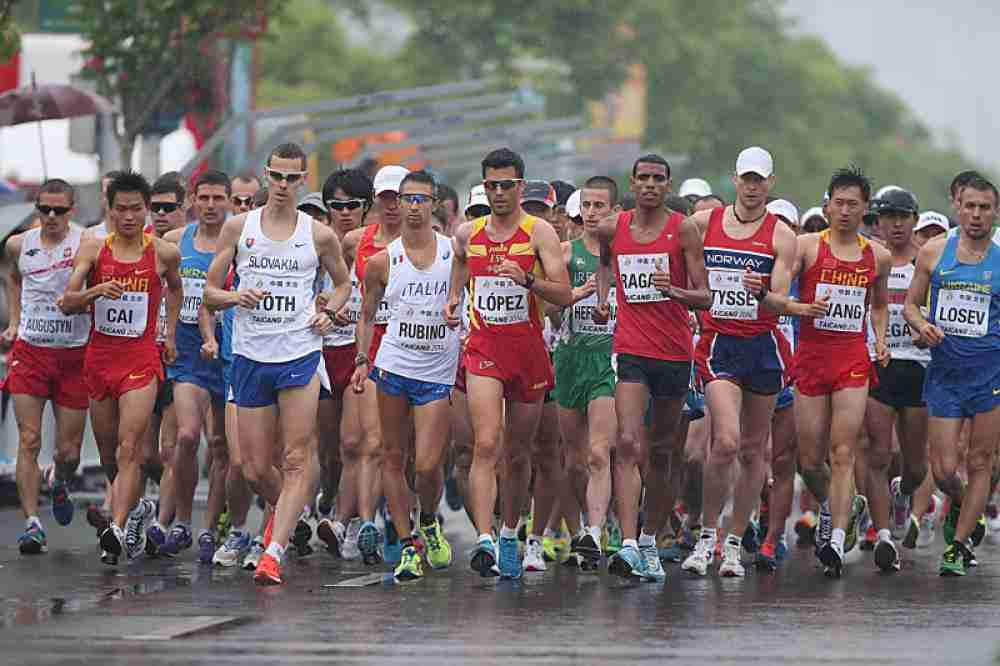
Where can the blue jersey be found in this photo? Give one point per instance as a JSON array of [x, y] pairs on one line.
[[193, 270]]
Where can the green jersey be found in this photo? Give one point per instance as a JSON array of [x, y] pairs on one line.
[[579, 328]]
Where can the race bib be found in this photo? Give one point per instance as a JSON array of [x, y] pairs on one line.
[[280, 307], [421, 328], [352, 310], [383, 313], [636, 272], [161, 321], [899, 336], [847, 308], [583, 316], [45, 324], [194, 290], [124, 317], [730, 300], [501, 301], [962, 313]]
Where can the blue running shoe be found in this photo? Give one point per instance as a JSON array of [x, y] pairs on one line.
[[32, 540], [484, 558], [155, 540], [206, 547], [178, 539], [751, 540], [62, 505], [393, 548], [368, 543], [781, 549], [510, 560], [231, 553], [767, 557], [652, 569], [627, 562]]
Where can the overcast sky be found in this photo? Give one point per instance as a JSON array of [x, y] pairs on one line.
[[939, 57]]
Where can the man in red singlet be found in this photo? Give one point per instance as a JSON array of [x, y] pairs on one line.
[[126, 273], [846, 275], [511, 262], [659, 274]]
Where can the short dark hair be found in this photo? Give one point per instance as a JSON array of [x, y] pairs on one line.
[[111, 175], [851, 176], [980, 184], [962, 179], [214, 177], [354, 182], [288, 151], [418, 177], [563, 190], [247, 176], [168, 183], [603, 183], [260, 199], [628, 202], [57, 186], [129, 181], [502, 158], [710, 196], [679, 204], [446, 192], [651, 159]]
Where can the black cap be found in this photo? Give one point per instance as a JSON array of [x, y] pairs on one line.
[[540, 191], [896, 199], [563, 191]]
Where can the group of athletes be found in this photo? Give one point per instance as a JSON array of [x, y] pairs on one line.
[[622, 377]]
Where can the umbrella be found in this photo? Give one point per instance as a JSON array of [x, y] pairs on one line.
[[36, 103]]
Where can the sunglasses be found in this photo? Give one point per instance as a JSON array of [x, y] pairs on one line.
[[505, 184], [416, 199], [344, 204], [290, 177], [58, 211], [242, 201], [164, 207]]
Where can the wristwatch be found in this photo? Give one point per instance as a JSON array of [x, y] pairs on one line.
[[529, 281], [762, 294]]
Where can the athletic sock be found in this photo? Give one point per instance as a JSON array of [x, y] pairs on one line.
[[239, 529], [646, 540], [33, 520], [884, 535], [630, 542], [486, 536], [427, 518], [837, 539], [276, 550], [508, 532], [595, 533], [824, 506], [710, 533], [548, 533]]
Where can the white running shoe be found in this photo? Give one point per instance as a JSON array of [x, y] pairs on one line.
[[350, 550], [253, 555], [699, 561], [899, 513], [928, 523], [993, 520], [731, 566], [135, 527], [534, 557]]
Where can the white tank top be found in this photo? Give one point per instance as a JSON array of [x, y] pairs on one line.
[[899, 336], [277, 330], [417, 343], [44, 276], [341, 336]]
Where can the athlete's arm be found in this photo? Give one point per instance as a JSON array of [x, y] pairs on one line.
[[216, 297], [330, 255], [605, 235], [781, 302], [174, 235], [459, 275], [169, 256], [698, 297], [554, 287], [77, 299], [206, 326], [916, 295], [879, 306], [349, 246], [12, 253], [376, 278]]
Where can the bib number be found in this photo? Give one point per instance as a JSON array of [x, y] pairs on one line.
[[194, 290], [280, 307], [501, 301], [847, 308], [124, 317], [45, 323], [583, 316], [730, 300], [420, 328], [963, 313], [352, 310], [636, 273]]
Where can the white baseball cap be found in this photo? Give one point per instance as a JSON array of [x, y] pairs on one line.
[[815, 211], [573, 204], [695, 187], [932, 219], [785, 209], [477, 197], [389, 178], [755, 160]]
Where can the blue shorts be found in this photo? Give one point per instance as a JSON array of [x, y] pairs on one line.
[[759, 364], [257, 384], [694, 405], [416, 392], [785, 398], [949, 397], [191, 368], [227, 380]]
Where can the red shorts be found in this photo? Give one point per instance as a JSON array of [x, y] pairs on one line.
[[112, 374], [522, 365], [48, 372], [378, 332], [460, 375], [340, 367], [821, 370]]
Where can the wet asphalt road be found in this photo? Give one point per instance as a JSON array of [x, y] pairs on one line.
[[65, 607]]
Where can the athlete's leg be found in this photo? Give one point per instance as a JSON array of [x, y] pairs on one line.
[[666, 423], [602, 425], [812, 425], [462, 445], [695, 455], [190, 403], [576, 447], [783, 458], [394, 414], [70, 424], [370, 454], [300, 468], [485, 401], [238, 493], [328, 417], [847, 419], [631, 403], [215, 436], [258, 436], [546, 461], [756, 417], [522, 424], [350, 445], [168, 456], [880, 419], [104, 423], [913, 444], [978, 462], [431, 423], [724, 400], [28, 411], [134, 411]]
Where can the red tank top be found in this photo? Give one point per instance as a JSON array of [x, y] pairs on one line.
[[650, 324], [848, 285], [734, 310], [499, 308], [132, 319]]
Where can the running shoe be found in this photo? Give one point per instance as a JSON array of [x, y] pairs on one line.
[[992, 521], [112, 544], [484, 558], [409, 567], [572, 558], [912, 532], [392, 548], [589, 551], [452, 496], [252, 558], [62, 503], [613, 542], [886, 556], [781, 548], [206, 547], [627, 562], [731, 567], [689, 537], [766, 558], [859, 507], [368, 543], [979, 531], [269, 530], [98, 518], [832, 559], [669, 550], [332, 534], [349, 549], [439, 553], [32, 541], [549, 549], [751, 538], [805, 529], [324, 509], [952, 562], [652, 570], [900, 513], [268, 571], [223, 526], [824, 530], [951, 522], [231, 552], [135, 527], [928, 524], [302, 536], [534, 555], [510, 561], [702, 557], [155, 540], [178, 539]]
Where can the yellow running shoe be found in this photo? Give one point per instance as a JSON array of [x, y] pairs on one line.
[[438, 548], [549, 549], [409, 567]]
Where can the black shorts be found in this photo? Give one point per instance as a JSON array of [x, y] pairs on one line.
[[164, 397], [900, 384], [664, 379]]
